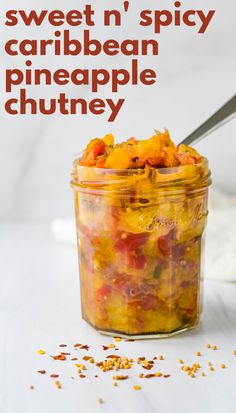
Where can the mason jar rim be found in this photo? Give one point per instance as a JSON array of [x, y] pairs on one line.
[[136, 171], [83, 176]]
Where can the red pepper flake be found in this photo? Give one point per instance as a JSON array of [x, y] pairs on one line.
[[149, 376], [112, 356], [54, 376], [166, 376], [42, 371], [81, 346], [74, 359], [120, 377], [65, 354], [62, 345], [82, 376], [59, 357], [148, 367], [85, 347], [155, 358], [105, 348]]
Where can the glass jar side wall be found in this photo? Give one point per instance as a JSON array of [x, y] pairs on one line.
[[140, 261]]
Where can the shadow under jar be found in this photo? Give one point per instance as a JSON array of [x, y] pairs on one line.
[[140, 246]]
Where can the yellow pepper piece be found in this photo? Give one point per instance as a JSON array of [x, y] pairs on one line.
[[109, 140]]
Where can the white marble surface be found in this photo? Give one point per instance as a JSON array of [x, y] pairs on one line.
[[196, 75], [39, 308]]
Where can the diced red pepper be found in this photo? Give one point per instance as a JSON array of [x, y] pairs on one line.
[[186, 159], [149, 302], [96, 148], [131, 242], [137, 261], [103, 292], [178, 251], [101, 162], [129, 247], [120, 281], [165, 243]]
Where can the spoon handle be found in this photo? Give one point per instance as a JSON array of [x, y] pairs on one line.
[[222, 116]]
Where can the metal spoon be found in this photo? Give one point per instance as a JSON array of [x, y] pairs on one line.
[[222, 116]]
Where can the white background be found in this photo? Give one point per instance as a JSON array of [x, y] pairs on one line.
[[196, 75]]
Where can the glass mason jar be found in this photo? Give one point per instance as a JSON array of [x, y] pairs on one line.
[[140, 247]]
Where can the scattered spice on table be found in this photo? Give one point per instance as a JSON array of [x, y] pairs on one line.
[[191, 370], [80, 367], [61, 357], [150, 375], [136, 387], [120, 377], [81, 346], [117, 339], [114, 362], [146, 364], [88, 358], [84, 347], [58, 384], [140, 359], [41, 352]]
